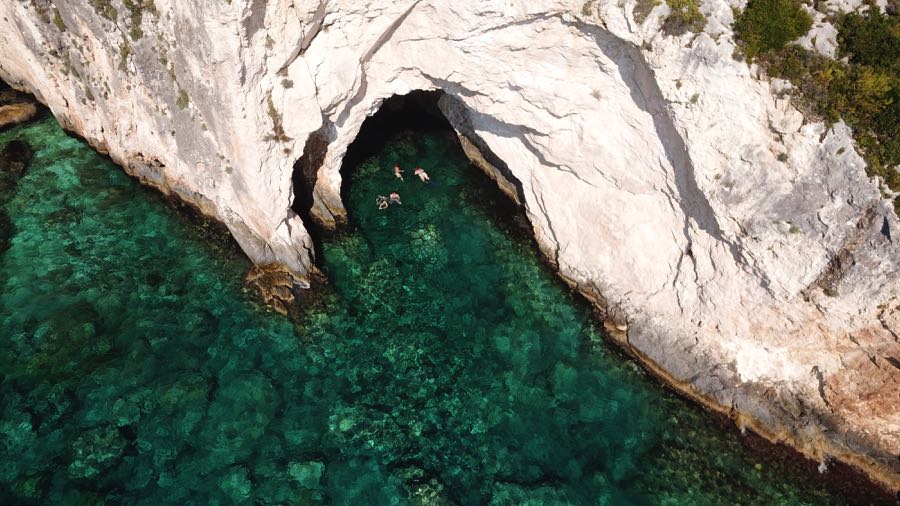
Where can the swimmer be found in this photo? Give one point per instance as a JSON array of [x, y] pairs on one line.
[[422, 175], [398, 172], [382, 202], [395, 198]]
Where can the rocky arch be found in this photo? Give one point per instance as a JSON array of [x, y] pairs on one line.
[[419, 109]]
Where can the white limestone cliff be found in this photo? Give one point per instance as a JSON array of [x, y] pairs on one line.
[[738, 250]]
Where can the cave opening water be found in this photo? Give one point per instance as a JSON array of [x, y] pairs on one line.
[[444, 365]]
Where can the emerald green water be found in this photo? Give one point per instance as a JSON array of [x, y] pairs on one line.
[[447, 365]]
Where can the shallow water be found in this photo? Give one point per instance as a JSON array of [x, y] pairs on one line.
[[445, 365]]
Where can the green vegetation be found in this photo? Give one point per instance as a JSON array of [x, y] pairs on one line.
[[864, 92], [41, 11], [183, 100], [105, 9], [871, 42], [685, 16], [587, 8], [287, 83], [58, 20], [136, 9], [767, 25], [871, 39], [277, 125], [643, 8], [164, 61], [782, 157], [124, 52]]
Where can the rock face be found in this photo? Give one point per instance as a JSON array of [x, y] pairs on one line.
[[738, 250]]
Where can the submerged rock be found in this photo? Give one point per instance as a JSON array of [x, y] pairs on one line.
[[430, 493], [307, 474], [14, 160], [94, 451], [275, 284], [649, 166]]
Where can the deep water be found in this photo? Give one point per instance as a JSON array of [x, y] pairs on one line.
[[445, 364]]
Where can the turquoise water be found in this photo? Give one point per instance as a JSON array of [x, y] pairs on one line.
[[445, 365]]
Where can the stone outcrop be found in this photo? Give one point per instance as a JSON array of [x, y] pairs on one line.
[[13, 114], [738, 250], [15, 107], [275, 285]]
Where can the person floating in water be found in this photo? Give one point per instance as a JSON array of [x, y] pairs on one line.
[[398, 172], [395, 198], [422, 175], [382, 202]]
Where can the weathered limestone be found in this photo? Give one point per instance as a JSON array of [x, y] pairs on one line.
[[738, 250]]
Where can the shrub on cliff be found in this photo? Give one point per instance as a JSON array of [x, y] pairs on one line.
[[766, 25], [864, 91], [685, 16], [105, 9], [871, 43], [871, 39]]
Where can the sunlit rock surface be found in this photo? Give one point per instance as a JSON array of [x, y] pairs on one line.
[[13, 114], [739, 250]]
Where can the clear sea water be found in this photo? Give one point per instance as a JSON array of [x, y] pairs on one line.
[[444, 365]]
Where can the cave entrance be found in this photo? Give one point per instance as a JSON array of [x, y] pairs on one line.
[[414, 123], [415, 112]]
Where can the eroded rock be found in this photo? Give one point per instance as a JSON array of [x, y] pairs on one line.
[[275, 284], [14, 114]]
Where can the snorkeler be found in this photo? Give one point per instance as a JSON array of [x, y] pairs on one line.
[[395, 198], [398, 172], [382, 202], [422, 175]]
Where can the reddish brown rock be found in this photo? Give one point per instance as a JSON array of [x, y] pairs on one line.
[[275, 285], [14, 114]]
